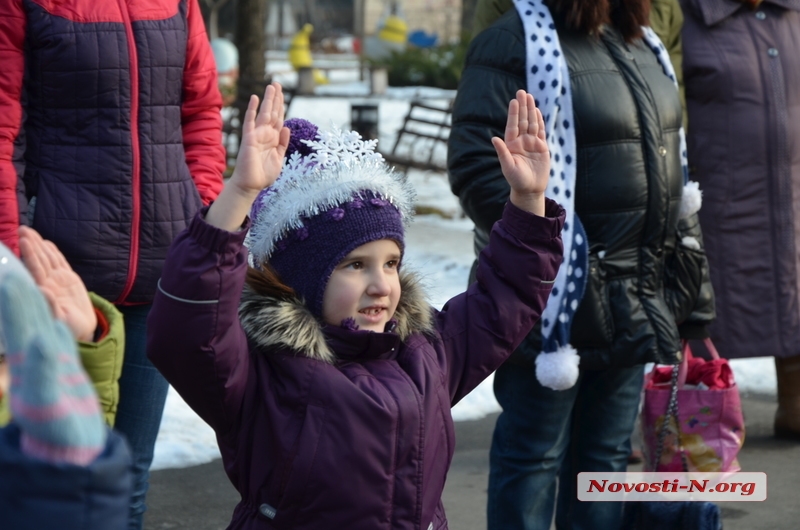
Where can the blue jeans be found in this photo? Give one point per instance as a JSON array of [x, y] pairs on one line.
[[142, 393], [543, 435]]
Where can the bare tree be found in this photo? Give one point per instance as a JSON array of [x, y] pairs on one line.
[[467, 12], [213, 16], [250, 40]]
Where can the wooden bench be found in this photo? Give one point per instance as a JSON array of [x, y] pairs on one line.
[[422, 140]]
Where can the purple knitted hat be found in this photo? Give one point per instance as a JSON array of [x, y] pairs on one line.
[[335, 193]]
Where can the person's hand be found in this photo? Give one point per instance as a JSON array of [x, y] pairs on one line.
[[264, 142], [523, 154], [260, 160], [62, 287]]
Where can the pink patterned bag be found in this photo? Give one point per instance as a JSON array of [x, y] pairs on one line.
[[706, 406]]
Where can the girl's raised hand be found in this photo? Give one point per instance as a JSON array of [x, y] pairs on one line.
[[264, 142], [260, 160], [524, 156]]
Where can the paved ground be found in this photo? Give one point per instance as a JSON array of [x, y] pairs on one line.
[[201, 498]]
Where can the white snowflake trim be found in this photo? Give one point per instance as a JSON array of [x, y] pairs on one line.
[[342, 167]]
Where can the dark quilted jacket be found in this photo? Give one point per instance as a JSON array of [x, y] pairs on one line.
[[109, 114], [628, 189], [39, 495]]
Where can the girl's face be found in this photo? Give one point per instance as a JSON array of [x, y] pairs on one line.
[[364, 286]]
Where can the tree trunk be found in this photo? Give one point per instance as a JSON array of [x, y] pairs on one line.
[[210, 10], [213, 23], [467, 12], [251, 42]]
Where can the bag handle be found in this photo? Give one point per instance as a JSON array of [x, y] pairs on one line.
[[711, 349], [687, 354], [678, 381], [672, 414]]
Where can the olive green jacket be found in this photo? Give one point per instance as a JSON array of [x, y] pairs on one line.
[[666, 19], [102, 360]]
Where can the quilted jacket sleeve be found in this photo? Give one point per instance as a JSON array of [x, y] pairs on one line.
[[12, 37], [666, 19], [688, 284], [102, 360], [483, 326], [193, 333], [487, 11], [200, 112]]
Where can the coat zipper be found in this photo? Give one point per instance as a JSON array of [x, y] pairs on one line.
[[136, 166]]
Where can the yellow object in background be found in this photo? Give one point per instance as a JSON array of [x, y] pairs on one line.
[[319, 77], [300, 48], [300, 53], [5, 412], [394, 30]]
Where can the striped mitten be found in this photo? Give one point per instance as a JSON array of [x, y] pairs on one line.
[[52, 400]]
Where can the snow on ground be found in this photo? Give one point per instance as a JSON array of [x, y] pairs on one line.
[[439, 249]]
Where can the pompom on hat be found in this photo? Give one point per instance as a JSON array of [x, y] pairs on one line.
[[335, 193]]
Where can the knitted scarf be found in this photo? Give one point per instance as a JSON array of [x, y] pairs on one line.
[[548, 81]]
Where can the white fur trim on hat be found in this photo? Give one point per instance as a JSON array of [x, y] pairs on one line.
[[558, 370], [341, 167]]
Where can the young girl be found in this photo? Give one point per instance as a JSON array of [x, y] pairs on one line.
[[329, 380]]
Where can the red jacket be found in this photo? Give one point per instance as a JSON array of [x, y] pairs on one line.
[[109, 116]]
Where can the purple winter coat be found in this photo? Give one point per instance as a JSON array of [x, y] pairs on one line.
[[742, 78], [365, 442]]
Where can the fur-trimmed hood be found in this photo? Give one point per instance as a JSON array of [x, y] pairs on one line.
[[287, 323]]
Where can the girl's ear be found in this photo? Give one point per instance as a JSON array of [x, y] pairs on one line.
[[266, 282]]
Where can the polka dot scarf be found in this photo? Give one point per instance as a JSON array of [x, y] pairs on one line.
[[548, 81]]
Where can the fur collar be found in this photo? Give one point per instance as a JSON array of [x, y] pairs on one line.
[[271, 322]]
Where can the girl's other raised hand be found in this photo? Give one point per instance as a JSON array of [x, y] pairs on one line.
[[260, 160], [523, 154], [264, 142]]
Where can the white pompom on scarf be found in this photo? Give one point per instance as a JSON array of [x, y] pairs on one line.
[[558, 370], [691, 200]]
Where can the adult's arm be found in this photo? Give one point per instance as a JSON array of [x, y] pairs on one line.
[[482, 326], [487, 11], [666, 19], [703, 311], [12, 38], [200, 112], [193, 333]]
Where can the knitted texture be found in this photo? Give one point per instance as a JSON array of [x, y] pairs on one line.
[[548, 80], [52, 400], [326, 203], [300, 130]]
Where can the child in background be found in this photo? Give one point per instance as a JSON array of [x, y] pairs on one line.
[[61, 465], [329, 379], [95, 323]]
